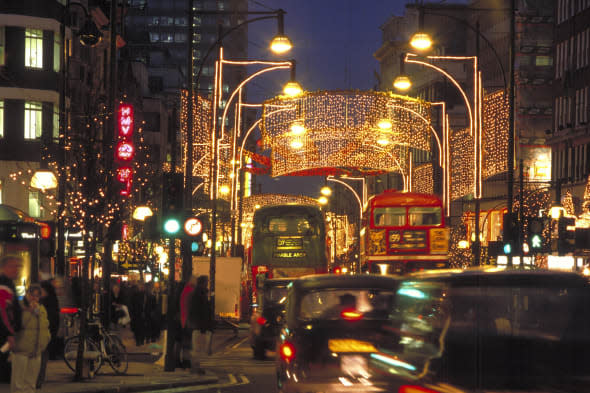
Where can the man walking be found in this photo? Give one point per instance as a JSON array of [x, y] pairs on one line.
[[10, 311], [199, 318]]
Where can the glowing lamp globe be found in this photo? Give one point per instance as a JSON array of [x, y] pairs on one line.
[[384, 124], [322, 200], [402, 83], [296, 144], [142, 212], [224, 190], [292, 89], [43, 180], [383, 141], [280, 44], [297, 128], [326, 191], [421, 41]]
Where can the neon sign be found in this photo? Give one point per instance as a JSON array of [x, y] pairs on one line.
[[125, 151], [125, 120], [125, 176]]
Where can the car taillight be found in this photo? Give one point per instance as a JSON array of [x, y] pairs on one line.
[[287, 351], [351, 314], [415, 389], [261, 321]]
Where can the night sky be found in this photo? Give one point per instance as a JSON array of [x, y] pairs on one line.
[[334, 42]]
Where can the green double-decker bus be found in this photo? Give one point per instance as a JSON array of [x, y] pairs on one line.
[[288, 241]]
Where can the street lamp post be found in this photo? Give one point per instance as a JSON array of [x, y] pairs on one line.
[[280, 44]]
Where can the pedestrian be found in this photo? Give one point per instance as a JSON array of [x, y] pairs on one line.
[[199, 318], [186, 331], [10, 311], [50, 302], [155, 313], [30, 342], [138, 314]]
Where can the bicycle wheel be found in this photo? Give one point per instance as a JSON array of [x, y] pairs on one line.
[[91, 352], [117, 354]]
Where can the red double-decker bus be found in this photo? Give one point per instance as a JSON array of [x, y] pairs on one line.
[[404, 232]]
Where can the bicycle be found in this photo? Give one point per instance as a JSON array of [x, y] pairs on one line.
[[99, 345]]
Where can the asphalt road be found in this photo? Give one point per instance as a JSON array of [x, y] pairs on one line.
[[237, 370]]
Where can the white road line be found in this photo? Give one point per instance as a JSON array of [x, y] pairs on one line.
[[218, 386], [239, 343]]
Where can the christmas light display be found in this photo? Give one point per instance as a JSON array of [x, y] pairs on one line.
[[495, 135], [423, 179], [342, 129], [461, 157]]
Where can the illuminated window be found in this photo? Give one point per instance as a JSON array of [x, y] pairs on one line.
[[419, 216], [389, 216], [543, 61], [34, 48], [2, 45], [55, 132], [1, 196], [56, 51], [33, 116], [1, 119], [154, 37], [34, 204], [180, 21]]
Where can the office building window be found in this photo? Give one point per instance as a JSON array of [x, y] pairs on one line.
[[55, 133], [33, 116], [167, 37], [180, 21], [34, 48], [2, 46], [56, 51], [197, 21], [197, 37], [154, 37], [34, 204], [179, 37], [1, 119], [166, 21], [154, 21]]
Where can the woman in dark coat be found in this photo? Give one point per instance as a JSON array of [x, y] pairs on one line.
[[199, 318], [51, 304]]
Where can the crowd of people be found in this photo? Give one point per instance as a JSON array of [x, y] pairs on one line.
[[32, 331]]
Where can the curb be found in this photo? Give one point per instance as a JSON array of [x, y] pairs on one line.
[[153, 386]]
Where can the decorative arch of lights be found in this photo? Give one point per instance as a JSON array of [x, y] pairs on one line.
[[253, 202], [201, 137], [342, 131]]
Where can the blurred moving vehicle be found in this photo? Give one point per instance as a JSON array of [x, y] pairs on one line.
[[268, 316], [334, 323], [404, 232], [490, 330], [483, 330]]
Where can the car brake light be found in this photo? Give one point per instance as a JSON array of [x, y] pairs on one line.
[[261, 321], [415, 389], [287, 351], [351, 314]]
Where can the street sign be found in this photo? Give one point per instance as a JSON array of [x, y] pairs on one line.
[[193, 226]]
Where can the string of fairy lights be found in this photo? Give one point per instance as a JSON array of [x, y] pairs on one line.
[[423, 179], [88, 202], [333, 129]]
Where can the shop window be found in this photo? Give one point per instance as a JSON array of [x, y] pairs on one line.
[[543, 61], [34, 204], [34, 48], [33, 116], [56, 51]]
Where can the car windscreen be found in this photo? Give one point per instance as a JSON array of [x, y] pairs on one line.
[[330, 303], [275, 295], [493, 336]]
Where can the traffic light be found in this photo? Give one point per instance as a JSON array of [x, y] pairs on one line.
[[566, 235], [510, 234], [535, 234], [172, 193], [48, 239], [171, 225]]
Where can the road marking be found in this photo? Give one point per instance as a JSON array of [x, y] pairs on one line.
[[218, 386], [239, 343]]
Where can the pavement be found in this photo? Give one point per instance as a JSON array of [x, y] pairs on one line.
[[145, 372]]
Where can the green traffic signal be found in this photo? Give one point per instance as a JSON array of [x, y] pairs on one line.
[[536, 241], [507, 248], [171, 226]]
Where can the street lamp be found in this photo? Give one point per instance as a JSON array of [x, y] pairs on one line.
[[142, 212], [44, 179], [292, 88], [402, 82], [326, 191], [323, 200], [281, 43], [421, 41]]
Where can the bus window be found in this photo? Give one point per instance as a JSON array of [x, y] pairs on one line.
[[278, 225], [389, 216], [420, 216]]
